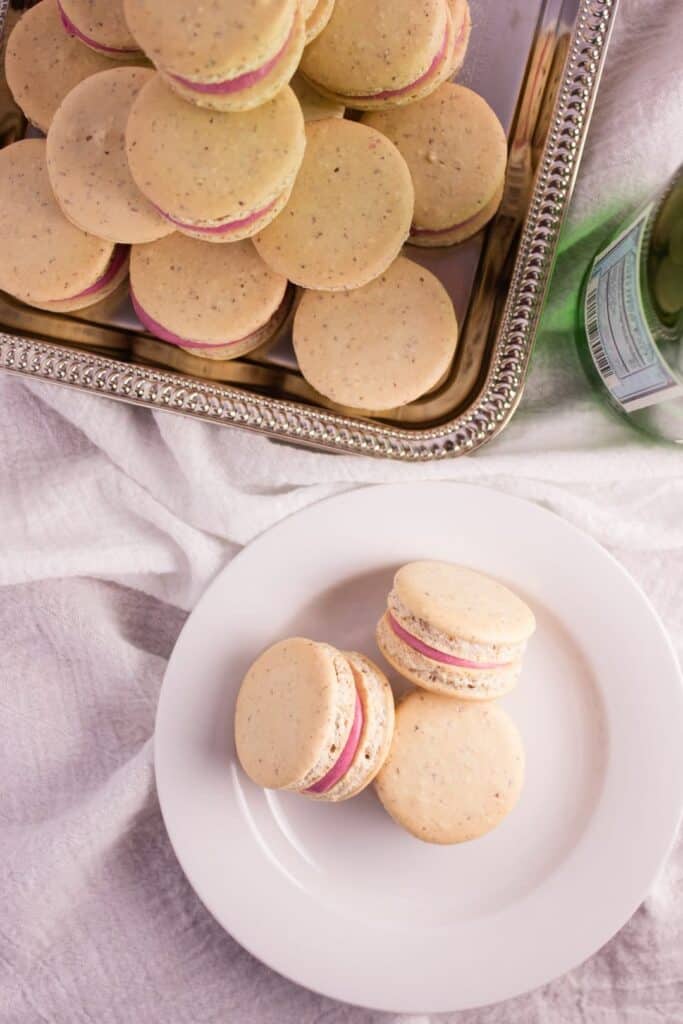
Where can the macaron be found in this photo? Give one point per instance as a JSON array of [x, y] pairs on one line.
[[101, 25], [215, 301], [317, 14], [460, 15], [226, 56], [87, 163], [349, 212], [456, 150], [49, 262], [313, 719], [43, 63], [379, 346], [454, 631], [215, 176], [314, 105], [371, 55], [454, 771]]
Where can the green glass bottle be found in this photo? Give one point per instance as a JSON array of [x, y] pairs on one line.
[[631, 316]]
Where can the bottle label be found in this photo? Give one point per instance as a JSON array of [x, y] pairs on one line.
[[619, 338]]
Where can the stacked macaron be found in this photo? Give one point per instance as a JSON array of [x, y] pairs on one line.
[[244, 303], [454, 631], [225, 56], [448, 763], [456, 766], [175, 128], [313, 719], [373, 55], [54, 264]]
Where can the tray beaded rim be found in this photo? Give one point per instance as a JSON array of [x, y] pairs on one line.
[[302, 424]]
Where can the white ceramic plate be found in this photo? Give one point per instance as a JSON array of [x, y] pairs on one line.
[[338, 898]]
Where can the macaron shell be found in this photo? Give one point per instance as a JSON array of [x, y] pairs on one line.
[[245, 160], [464, 231], [455, 770], [318, 18], [456, 150], [103, 21], [237, 233], [377, 701], [441, 68], [369, 46], [258, 93], [204, 361], [225, 39], [459, 601], [462, 23], [43, 63], [52, 260], [349, 212], [294, 713], [87, 164], [380, 346], [450, 680], [116, 284], [205, 293], [314, 105]]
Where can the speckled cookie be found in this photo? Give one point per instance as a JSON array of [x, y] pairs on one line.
[[371, 55], [53, 264], [454, 771], [456, 150], [216, 176], [219, 302], [454, 631], [226, 56], [312, 719], [101, 25], [380, 346], [349, 212], [43, 63], [315, 107], [317, 14], [87, 164]]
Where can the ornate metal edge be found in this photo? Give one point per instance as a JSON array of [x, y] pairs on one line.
[[307, 425]]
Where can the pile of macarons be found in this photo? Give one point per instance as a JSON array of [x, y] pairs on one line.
[[247, 163], [447, 762]]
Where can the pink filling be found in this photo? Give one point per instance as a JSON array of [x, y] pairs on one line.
[[220, 229], [434, 654], [340, 767], [116, 263], [154, 327], [74, 30], [388, 94], [230, 85]]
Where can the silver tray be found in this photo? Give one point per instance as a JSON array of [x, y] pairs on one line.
[[538, 62]]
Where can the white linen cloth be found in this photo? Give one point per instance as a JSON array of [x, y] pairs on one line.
[[114, 520]]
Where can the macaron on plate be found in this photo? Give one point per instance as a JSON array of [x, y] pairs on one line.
[[481, 819]]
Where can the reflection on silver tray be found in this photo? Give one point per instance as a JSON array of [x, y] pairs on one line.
[[538, 62]]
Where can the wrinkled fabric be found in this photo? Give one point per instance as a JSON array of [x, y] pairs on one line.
[[113, 522]]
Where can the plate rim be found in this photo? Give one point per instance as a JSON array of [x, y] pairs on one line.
[[356, 493]]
